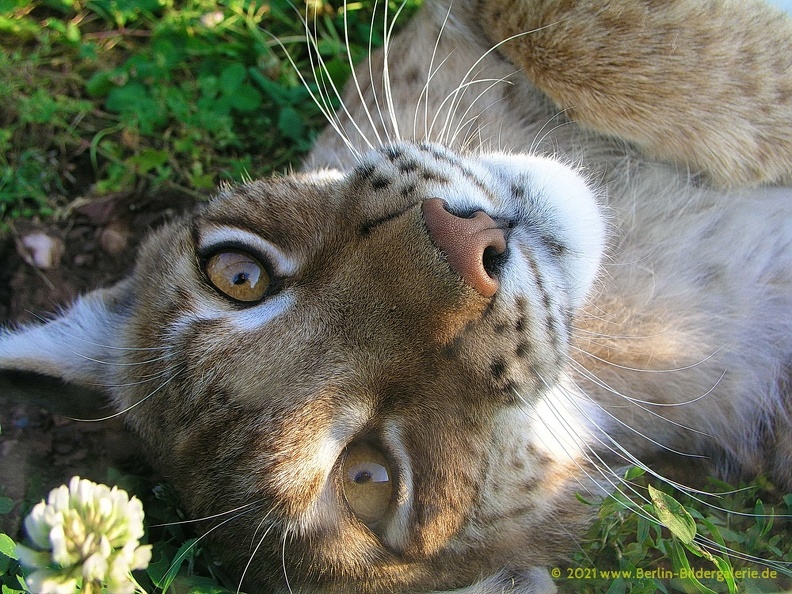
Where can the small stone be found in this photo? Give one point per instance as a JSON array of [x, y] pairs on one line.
[[114, 238], [41, 250], [83, 260]]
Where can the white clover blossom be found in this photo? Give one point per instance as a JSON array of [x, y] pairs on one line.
[[88, 534]]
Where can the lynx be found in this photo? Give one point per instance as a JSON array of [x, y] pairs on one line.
[[540, 242]]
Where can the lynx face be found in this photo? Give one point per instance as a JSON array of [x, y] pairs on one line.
[[347, 370], [364, 358]]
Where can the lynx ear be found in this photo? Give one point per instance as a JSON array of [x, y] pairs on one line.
[[79, 346]]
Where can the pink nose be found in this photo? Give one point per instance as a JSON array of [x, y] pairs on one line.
[[466, 242]]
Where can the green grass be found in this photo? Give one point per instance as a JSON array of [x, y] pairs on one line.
[[739, 541], [103, 96], [623, 552]]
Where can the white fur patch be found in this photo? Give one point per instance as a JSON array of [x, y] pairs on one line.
[[81, 346], [282, 263], [570, 210]]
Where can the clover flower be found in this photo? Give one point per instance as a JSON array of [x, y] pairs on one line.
[[89, 534]]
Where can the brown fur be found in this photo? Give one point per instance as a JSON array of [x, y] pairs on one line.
[[707, 84]]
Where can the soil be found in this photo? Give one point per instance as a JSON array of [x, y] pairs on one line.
[[40, 449]]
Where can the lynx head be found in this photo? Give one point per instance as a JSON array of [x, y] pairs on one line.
[[349, 367]]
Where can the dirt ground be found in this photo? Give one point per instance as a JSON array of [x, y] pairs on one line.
[[38, 449]]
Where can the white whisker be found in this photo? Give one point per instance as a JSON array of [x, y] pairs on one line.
[[387, 35], [463, 121], [283, 561], [177, 560], [256, 548], [354, 77], [454, 96], [203, 519], [424, 94], [132, 406]]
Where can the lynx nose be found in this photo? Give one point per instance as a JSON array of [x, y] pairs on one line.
[[470, 244]]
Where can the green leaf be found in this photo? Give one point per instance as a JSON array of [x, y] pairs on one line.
[[6, 505], [186, 551], [633, 473], [246, 99], [673, 515], [727, 572], [618, 586], [126, 98], [100, 84], [680, 562], [149, 159], [279, 94], [232, 78], [7, 546], [291, 124]]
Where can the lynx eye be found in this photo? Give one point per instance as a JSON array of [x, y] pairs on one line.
[[238, 275], [367, 483]]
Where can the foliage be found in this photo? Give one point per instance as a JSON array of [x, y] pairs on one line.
[[626, 550], [179, 564], [733, 542], [102, 96]]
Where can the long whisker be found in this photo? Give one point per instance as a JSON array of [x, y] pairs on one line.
[[463, 121], [176, 561], [354, 77], [646, 370], [543, 133], [387, 35], [205, 518], [136, 404], [256, 549], [455, 94], [429, 76], [643, 404], [283, 561]]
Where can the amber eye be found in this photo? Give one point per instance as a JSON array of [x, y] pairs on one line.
[[237, 275], [367, 482]]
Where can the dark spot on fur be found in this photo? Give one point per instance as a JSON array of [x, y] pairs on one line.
[[409, 189], [380, 182], [520, 325], [529, 486], [365, 171], [392, 153], [435, 177], [413, 76], [518, 192], [501, 328], [408, 166], [552, 330], [498, 369], [523, 350], [554, 247]]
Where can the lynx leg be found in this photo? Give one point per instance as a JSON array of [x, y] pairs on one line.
[[706, 85]]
